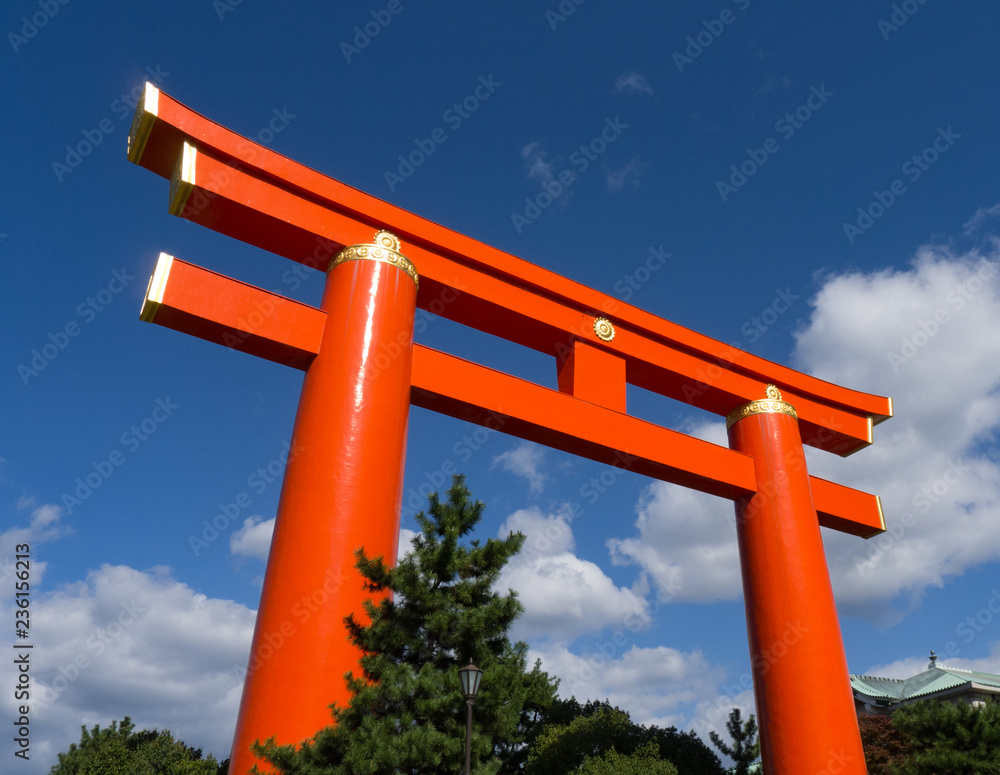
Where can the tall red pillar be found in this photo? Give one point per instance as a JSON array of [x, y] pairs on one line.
[[805, 708], [342, 490]]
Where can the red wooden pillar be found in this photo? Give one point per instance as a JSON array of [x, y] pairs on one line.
[[342, 490], [805, 707]]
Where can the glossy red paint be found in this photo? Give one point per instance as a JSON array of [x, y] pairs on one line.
[[804, 703], [249, 192], [585, 416], [343, 484], [342, 490]]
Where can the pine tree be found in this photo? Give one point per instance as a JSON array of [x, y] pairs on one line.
[[951, 738], [407, 713], [745, 748]]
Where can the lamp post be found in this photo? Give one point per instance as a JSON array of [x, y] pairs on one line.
[[470, 676]]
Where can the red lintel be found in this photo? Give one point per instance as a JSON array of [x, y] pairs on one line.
[[249, 192], [197, 301]]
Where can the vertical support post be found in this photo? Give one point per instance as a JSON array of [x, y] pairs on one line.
[[801, 683], [594, 375], [342, 490], [468, 737]]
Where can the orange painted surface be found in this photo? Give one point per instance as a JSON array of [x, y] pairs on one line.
[[343, 484], [211, 306], [593, 374], [458, 388], [285, 207], [342, 490], [277, 219], [239, 316], [804, 704]]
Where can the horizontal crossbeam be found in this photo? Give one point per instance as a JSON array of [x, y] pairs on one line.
[[214, 307], [237, 187], [211, 306]]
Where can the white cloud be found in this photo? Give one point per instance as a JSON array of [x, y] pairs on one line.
[[538, 167], [632, 83], [128, 642], [563, 595], [712, 715], [982, 214], [524, 460], [625, 176], [406, 537], [686, 543], [545, 534], [43, 526], [253, 539], [927, 336], [687, 540], [657, 685]]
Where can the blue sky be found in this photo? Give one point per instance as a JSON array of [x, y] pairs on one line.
[[817, 185]]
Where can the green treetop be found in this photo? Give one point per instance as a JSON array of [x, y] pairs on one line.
[[407, 713], [745, 748], [958, 739], [600, 738], [120, 750]]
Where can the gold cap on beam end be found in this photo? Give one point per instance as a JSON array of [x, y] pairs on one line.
[[773, 404], [385, 248], [155, 289], [142, 122], [182, 182]]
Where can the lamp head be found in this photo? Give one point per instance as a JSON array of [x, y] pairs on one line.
[[470, 676]]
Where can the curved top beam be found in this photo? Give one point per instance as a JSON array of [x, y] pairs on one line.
[[307, 216]]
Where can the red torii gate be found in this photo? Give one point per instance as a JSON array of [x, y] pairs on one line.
[[343, 488]]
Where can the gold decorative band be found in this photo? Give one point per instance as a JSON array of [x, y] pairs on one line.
[[384, 249], [770, 405]]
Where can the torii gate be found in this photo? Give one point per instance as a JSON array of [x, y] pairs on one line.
[[343, 488]]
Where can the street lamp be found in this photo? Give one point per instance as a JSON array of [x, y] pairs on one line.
[[470, 677]]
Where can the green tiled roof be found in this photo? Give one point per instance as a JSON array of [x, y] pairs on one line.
[[936, 679]]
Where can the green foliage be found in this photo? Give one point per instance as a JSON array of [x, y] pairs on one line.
[[884, 745], [120, 750], [562, 748], [407, 713], [745, 749], [957, 739], [576, 735], [645, 761]]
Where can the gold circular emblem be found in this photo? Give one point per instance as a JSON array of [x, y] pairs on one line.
[[387, 240], [773, 404], [385, 249], [604, 330]]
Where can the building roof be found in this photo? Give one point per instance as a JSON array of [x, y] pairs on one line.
[[936, 679]]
